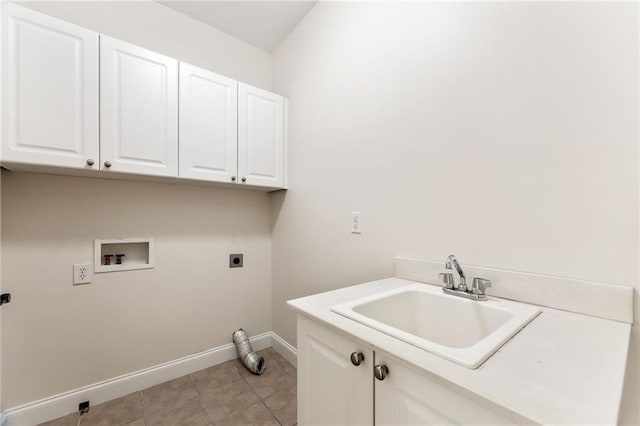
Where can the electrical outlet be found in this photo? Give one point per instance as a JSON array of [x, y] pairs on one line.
[[81, 273], [236, 260]]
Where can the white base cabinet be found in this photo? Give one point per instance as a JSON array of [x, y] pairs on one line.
[[408, 396], [332, 391], [49, 90]]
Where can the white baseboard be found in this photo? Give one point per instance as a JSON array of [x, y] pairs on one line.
[[65, 403], [285, 349]]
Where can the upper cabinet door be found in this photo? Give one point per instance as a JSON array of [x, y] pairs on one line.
[[260, 137], [49, 90], [138, 110], [208, 125]]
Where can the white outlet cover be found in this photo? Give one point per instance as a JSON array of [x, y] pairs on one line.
[[81, 273]]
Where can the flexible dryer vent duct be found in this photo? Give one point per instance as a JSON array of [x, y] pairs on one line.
[[250, 359]]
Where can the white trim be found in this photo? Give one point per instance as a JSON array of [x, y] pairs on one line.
[[285, 183], [46, 409], [285, 349], [609, 301]]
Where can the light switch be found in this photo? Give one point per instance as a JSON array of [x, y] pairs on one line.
[[356, 222]]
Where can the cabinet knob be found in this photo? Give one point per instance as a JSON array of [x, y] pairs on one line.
[[107, 164], [244, 179], [90, 162], [380, 371], [233, 178], [357, 358]]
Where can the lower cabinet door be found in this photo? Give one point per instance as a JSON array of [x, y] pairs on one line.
[[410, 397], [331, 389]]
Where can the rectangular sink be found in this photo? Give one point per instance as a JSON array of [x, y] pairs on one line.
[[464, 331]]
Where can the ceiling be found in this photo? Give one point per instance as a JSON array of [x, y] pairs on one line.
[[263, 24]]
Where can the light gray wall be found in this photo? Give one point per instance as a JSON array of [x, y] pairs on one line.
[[506, 133], [57, 337]]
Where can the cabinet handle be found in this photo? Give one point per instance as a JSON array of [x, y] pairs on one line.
[[233, 178], [244, 179], [357, 358], [90, 162], [380, 371], [107, 164]]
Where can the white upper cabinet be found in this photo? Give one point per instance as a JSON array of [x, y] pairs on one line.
[[208, 125], [138, 110], [49, 90], [75, 99], [260, 137]]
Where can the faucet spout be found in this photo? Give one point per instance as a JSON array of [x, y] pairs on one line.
[[477, 289], [451, 260]]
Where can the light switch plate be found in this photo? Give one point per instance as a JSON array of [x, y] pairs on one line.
[[356, 222]]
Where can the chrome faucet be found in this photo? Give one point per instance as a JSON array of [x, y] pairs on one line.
[[451, 260], [477, 288]]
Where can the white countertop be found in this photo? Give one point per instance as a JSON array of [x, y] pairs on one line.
[[562, 368]]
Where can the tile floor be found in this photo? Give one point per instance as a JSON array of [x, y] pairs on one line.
[[227, 394]]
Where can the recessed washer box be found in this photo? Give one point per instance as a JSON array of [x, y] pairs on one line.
[[138, 254]]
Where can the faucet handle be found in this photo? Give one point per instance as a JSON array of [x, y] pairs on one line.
[[447, 279], [480, 285]]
